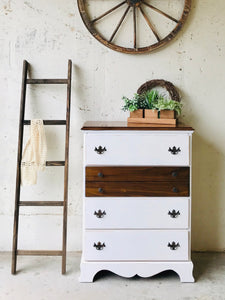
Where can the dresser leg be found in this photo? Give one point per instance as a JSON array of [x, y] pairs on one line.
[[88, 272], [185, 272]]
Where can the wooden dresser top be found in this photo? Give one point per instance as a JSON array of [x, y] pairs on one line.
[[122, 125]]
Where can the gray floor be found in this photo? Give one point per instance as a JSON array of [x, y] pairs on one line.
[[40, 278]]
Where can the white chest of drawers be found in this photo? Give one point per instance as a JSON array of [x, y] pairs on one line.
[[137, 200]]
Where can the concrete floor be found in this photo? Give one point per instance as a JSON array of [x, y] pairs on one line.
[[40, 278]]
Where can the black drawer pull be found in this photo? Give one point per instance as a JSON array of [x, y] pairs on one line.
[[100, 149], [174, 214], [99, 214], [175, 190], [99, 246], [100, 174], [174, 173], [173, 245], [174, 150], [100, 190]]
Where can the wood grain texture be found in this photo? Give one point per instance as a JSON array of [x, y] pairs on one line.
[[152, 121], [96, 33], [48, 122], [119, 24], [136, 189], [47, 81], [150, 113], [19, 203], [167, 114], [41, 203], [108, 12], [151, 125], [137, 113], [55, 163], [66, 169], [143, 174], [161, 12], [40, 252], [135, 27], [149, 23], [120, 125], [18, 175]]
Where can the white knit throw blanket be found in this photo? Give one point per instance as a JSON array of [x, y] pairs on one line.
[[34, 155]]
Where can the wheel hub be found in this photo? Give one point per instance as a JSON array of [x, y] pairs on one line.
[[134, 2]]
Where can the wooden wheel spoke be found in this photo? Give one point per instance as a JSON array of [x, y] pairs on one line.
[[161, 12], [149, 23], [119, 24], [135, 29], [108, 12]]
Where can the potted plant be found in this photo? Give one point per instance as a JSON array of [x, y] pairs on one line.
[[151, 98], [142, 105], [150, 106], [135, 105], [168, 108]]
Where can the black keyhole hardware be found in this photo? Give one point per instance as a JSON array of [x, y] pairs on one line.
[[99, 246], [174, 150], [174, 214], [99, 214], [100, 149], [173, 245]]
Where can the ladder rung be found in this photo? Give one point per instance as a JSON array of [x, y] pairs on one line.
[[40, 252], [47, 81], [48, 122], [41, 203], [55, 163]]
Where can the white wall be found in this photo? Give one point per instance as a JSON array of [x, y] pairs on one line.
[[47, 34]]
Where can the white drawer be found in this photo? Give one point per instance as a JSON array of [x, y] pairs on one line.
[[137, 149], [136, 213], [134, 245]]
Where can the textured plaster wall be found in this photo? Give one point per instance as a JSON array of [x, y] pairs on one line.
[[47, 33]]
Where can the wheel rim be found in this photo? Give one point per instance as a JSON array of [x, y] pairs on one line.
[[137, 6]]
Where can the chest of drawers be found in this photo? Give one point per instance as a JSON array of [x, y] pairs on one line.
[[137, 200]]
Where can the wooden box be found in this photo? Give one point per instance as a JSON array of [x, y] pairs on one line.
[[137, 113], [167, 114], [151, 113]]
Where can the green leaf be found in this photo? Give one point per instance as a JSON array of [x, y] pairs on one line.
[[150, 100]]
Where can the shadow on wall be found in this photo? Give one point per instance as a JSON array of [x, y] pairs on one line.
[[207, 193], [80, 86]]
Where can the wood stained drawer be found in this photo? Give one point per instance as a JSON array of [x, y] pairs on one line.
[[136, 189], [135, 245], [137, 149], [123, 213], [172, 174]]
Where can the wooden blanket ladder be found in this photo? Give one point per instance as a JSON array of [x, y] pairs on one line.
[[18, 203]]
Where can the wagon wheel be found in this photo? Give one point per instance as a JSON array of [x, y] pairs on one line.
[[140, 7]]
